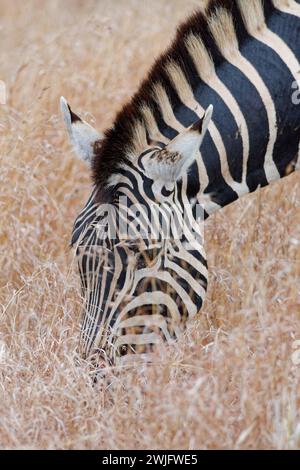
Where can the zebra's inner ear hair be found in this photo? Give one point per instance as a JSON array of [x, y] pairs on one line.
[[85, 138], [171, 163]]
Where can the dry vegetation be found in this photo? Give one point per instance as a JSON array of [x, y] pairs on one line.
[[230, 383]]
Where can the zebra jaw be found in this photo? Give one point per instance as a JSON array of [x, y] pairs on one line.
[[170, 163], [85, 138]]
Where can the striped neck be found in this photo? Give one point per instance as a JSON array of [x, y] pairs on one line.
[[244, 59]]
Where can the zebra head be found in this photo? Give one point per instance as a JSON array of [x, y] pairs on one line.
[[139, 246]]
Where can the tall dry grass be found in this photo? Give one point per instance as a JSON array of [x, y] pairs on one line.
[[230, 382]]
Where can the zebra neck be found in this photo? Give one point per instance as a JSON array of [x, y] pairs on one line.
[[254, 137]]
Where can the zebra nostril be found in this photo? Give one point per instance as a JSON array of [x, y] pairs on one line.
[[123, 350]]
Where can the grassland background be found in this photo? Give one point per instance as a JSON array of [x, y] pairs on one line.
[[230, 382]]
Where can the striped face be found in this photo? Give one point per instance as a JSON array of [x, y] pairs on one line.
[[143, 272], [141, 256]]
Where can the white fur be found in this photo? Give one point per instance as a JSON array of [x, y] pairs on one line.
[[82, 135]]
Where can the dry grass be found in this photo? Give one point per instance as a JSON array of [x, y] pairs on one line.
[[230, 383]]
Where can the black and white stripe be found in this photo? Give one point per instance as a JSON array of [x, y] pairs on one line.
[[241, 57]]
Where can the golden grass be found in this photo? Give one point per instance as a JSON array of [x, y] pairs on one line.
[[230, 382]]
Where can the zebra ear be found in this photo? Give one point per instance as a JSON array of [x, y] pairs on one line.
[[170, 163], [84, 137]]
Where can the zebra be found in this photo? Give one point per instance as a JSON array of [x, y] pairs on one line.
[[216, 118]]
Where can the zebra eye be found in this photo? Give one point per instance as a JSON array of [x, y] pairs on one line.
[[168, 190]]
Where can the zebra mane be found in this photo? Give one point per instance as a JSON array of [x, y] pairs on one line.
[[134, 127]]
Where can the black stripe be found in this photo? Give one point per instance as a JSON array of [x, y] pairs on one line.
[[278, 79]]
